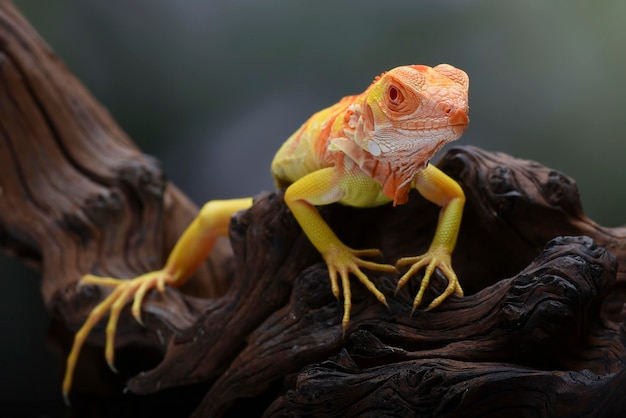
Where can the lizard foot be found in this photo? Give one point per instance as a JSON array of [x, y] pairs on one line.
[[434, 258], [123, 291], [341, 262]]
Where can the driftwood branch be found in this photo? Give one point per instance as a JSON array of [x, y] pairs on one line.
[[76, 196], [540, 331]]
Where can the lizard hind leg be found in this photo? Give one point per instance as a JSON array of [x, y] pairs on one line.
[[190, 251], [123, 291]]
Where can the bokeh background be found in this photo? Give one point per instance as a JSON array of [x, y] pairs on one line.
[[212, 88]]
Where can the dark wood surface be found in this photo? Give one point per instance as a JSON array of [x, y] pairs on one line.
[[539, 333]]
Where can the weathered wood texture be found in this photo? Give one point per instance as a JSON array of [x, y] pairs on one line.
[[540, 332], [76, 195]]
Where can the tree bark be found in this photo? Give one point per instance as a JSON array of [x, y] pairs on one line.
[[76, 195], [539, 332]]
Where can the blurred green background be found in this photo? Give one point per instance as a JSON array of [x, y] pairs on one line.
[[213, 88]]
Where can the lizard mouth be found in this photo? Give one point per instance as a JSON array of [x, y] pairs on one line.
[[459, 129]]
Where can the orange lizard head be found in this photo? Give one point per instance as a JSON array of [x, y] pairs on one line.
[[404, 118], [410, 112]]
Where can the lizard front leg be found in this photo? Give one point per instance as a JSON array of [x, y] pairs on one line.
[[437, 187], [190, 251], [323, 187]]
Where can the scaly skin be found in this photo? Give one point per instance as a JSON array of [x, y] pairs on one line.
[[364, 151]]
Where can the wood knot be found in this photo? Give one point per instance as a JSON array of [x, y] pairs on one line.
[[145, 177]]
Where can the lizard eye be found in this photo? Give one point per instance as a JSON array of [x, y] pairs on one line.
[[400, 100], [394, 95]]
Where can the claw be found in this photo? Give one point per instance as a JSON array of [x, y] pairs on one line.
[[342, 261], [434, 258], [370, 252], [139, 296], [89, 279], [123, 291], [334, 286], [347, 301]]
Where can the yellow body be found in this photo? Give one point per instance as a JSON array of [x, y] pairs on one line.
[[366, 150]]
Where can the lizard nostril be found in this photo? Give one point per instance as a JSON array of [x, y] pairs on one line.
[[458, 117]]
